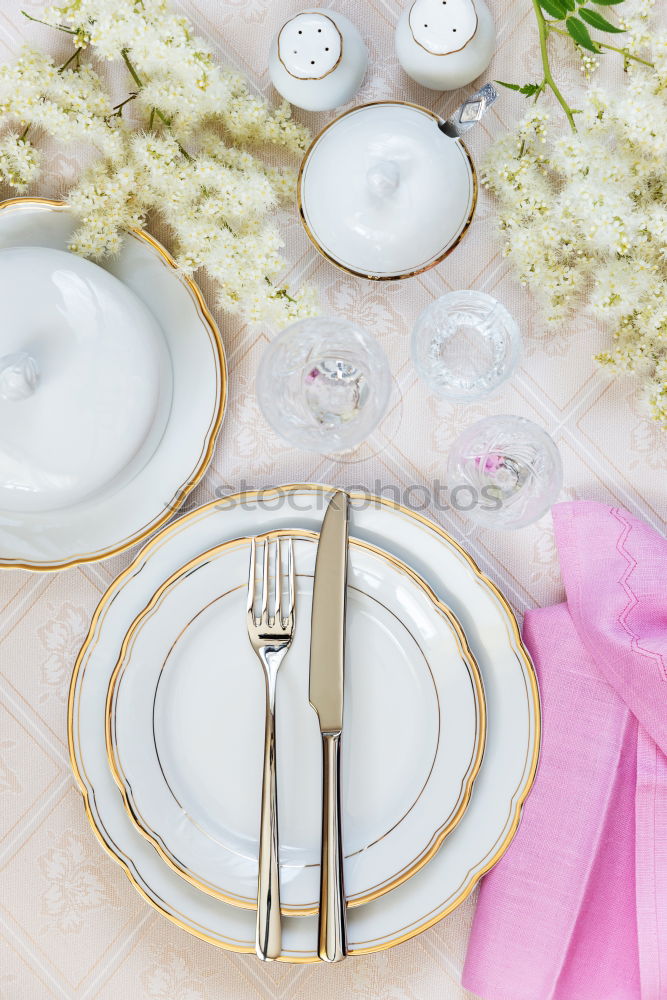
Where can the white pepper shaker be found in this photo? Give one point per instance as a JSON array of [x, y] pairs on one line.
[[445, 44], [318, 60]]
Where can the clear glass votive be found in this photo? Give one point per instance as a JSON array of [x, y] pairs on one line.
[[464, 345], [504, 472], [323, 384]]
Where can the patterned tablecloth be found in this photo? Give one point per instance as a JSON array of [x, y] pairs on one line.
[[71, 926]]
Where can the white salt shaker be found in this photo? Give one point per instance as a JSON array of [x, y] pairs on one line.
[[445, 44], [318, 60]]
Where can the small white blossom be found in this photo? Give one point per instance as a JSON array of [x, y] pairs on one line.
[[583, 213], [189, 166], [19, 162]]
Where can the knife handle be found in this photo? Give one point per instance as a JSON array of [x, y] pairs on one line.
[[333, 920], [269, 932]]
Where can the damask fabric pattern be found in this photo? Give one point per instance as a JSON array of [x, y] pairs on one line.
[[71, 926]]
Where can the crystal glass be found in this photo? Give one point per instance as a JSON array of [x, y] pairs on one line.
[[323, 384], [464, 345], [504, 472]]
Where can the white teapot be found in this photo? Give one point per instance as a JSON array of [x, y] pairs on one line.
[[388, 189]]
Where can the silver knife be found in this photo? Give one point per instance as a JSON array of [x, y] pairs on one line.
[[327, 652]]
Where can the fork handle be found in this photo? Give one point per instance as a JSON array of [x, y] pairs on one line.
[[268, 942], [333, 922]]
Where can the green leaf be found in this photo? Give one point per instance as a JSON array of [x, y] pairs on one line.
[[606, 3], [571, 4], [556, 8], [527, 89], [578, 30], [598, 21]]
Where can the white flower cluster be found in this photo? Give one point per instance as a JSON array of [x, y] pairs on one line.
[[19, 161], [177, 70], [69, 104], [584, 216], [188, 165], [215, 204]]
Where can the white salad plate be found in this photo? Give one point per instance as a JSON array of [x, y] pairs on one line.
[[512, 704], [136, 391], [185, 728]]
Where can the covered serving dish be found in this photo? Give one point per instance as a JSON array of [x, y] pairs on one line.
[[388, 189]]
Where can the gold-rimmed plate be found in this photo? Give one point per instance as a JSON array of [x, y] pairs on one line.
[[185, 720], [112, 520], [513, 713]]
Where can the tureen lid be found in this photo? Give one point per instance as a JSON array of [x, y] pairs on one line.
[[384, 193], [85, 380]]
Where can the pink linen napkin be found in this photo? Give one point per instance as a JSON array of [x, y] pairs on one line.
[[577, 908]]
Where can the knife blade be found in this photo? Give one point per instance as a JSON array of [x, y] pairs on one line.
[[327, 663], [328, 617]]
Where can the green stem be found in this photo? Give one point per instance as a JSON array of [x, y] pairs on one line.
[[279, 293], [132, 71], [544, 29], [25, 131], [612, 48], [538, 92], [118, 108], [139, 82], [626, 54], [154, 111], [75, 55], [58, 27]]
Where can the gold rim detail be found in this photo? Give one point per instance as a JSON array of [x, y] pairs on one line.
[[434, 842], [324, 75], [385, 277], [210, 438], [518, 798], [451, 51]]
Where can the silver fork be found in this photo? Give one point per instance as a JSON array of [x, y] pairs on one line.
[[270, 635]]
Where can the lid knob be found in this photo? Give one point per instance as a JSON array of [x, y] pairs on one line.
[[383, 178], [19, 376]]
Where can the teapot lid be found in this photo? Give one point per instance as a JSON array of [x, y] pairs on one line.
[[85, 379], [383, 193]]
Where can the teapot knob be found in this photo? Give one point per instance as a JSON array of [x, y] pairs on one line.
[[19, 376], [383, 178]]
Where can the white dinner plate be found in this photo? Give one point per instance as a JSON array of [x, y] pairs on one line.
[[131, 506], [510, 688], [186, 728]]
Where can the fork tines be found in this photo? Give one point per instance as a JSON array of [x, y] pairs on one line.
[[276, 613]]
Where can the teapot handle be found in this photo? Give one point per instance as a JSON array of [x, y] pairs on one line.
[[469, 113]]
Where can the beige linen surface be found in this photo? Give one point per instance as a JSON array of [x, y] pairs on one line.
[[71, 925]]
